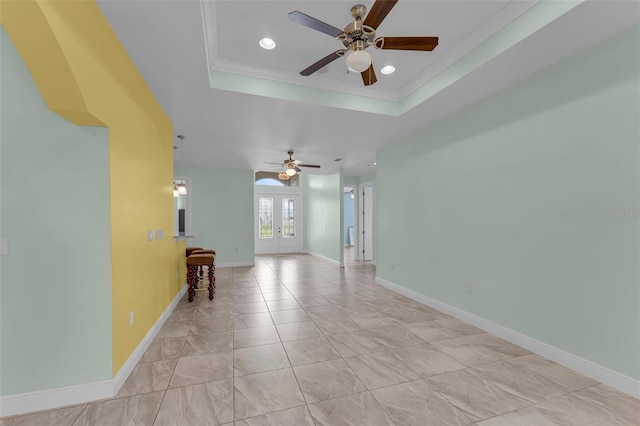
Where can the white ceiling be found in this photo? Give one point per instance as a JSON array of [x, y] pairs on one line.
[[234, 31], [231, 129]]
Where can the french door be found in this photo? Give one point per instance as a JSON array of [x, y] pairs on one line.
[[278, 224]]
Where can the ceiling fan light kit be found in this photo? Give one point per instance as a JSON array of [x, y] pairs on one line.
[[358, 61], [358, 36]]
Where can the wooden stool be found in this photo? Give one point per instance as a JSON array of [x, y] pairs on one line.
[[211, 251], [194, 263], [190, 250]]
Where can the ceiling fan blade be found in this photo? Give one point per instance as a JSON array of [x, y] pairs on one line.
[[313, 23], [369, 76], [322, 62], [407, 43], [315, 166], [297, 169], [378, 12]]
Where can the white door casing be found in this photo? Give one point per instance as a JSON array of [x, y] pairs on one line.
[[368, 222]]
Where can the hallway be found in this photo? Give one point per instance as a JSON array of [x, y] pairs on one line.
[[296, 340]]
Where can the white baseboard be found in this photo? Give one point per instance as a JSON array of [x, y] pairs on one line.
[[234, 264], [133, 359], [588, 368], [53, 398], [320, 256], [29, 402]]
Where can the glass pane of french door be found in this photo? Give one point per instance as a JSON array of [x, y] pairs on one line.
[[265, 215], [288, 218]]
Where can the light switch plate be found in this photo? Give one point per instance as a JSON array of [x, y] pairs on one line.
[[150, 235]]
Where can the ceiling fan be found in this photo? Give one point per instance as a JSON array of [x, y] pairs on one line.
[[358, 36], [293, 166]]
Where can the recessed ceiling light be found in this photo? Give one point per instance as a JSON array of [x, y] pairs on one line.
[[388, 69], [267, 43]]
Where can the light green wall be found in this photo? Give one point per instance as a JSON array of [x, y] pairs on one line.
[[511, 196], [356, 180], [369, 177], [55, 285], [350, 180], [222, 212], [267, 189], [323, 215]]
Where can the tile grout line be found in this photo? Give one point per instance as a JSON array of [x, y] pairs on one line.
[[304, 398]]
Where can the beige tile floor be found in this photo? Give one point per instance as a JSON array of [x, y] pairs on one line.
[[297, 341]]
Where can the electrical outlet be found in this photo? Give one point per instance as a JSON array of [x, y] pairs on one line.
[[131, 318], [159, 234], [467, 288]]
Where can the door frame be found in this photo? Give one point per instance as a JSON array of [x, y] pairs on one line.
[[361, 213], [279, 195]]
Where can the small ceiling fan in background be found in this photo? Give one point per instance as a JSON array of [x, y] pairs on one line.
[[358, 36], [292, 166]]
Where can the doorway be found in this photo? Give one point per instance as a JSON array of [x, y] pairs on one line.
[[349, 210], [278, 224]]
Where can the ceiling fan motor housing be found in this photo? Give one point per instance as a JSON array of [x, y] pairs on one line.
[[357, 36]]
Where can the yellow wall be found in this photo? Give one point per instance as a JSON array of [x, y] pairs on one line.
[[85, 75]]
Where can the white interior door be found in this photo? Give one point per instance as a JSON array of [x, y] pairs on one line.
[[368, 223], [278, 223]]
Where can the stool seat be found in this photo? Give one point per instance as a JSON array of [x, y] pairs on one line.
[[190, 250], [200, 259], [203, 251]]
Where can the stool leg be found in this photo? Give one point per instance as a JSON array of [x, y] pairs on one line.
[[191, 276], [211, 281]]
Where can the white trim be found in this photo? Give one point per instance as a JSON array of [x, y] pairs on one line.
[[588, 368], [133, 359], [319, 256], [360, 220], [29, 402], [53, 398], [234, 264]]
